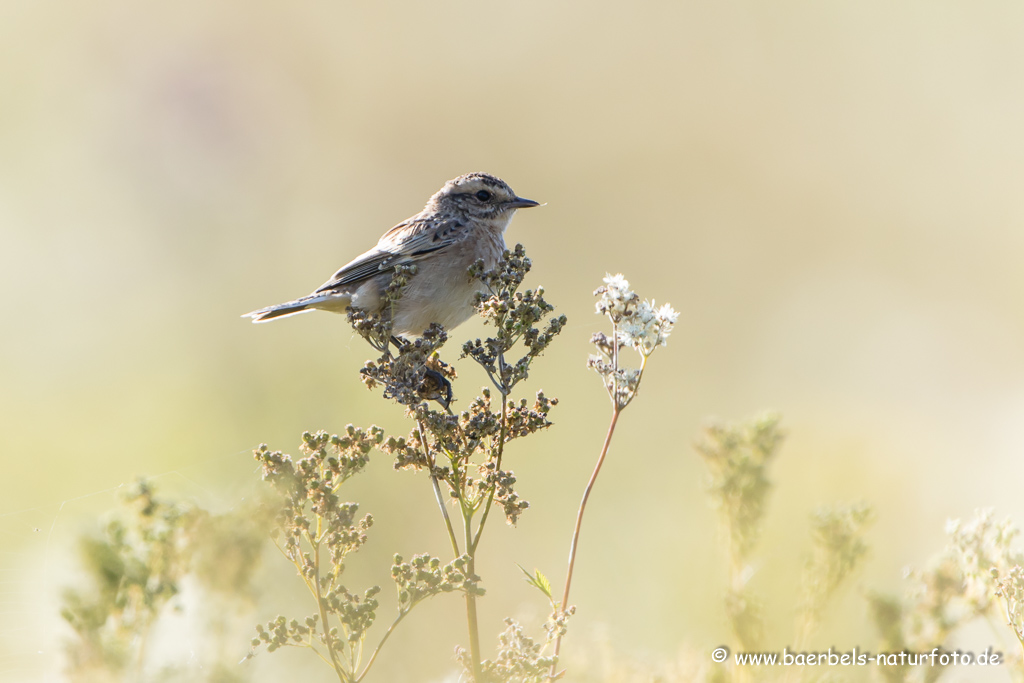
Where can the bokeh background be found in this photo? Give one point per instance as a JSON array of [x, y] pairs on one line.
[[829, 193]]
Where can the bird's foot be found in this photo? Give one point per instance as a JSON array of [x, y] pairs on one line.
[[436, 387]]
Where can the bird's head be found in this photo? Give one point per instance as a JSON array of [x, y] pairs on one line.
[[479, 196]]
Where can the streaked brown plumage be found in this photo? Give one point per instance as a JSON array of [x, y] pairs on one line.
[[464, 221]]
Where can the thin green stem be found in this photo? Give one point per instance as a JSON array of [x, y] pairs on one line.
[[437, 490], [473, 540], [384, 639], [309, 584], [472, 621], [140, 656], [615, 366], [317, 653], [444, 513], [1004, 613], [467, 519], [494, 381], [321, 605], [497, 467]]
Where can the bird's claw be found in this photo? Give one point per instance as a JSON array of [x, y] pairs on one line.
[[436, 387]]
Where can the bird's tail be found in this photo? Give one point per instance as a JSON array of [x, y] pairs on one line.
[[335, 302], [279, 311]]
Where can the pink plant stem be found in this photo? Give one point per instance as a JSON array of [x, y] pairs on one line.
[[579, 521]]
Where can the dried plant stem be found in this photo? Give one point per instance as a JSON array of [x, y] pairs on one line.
[[579, 521]]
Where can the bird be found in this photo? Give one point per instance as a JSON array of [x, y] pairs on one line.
[[461, 223]]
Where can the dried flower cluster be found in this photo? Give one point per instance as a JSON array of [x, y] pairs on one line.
[[316, 530], [425, 576], [148, 551], [414, 373], [465, 450], [980, 546], [838, 549], [737, 457], [376, 329], [515, 316], [461, 451], [978, 575], [520, 659]]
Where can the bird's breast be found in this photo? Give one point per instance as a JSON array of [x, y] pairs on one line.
[[441, 291]]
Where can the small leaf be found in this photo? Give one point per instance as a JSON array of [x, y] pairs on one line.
[[543, 584], [538, 581]]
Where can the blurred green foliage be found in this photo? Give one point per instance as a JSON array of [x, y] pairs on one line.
[[137, 566]]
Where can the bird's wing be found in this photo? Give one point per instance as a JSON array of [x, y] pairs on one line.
[[405, 243]]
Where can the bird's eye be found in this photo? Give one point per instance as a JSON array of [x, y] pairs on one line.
[[483, 195]]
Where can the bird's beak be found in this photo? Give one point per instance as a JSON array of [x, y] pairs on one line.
[[520, 203]]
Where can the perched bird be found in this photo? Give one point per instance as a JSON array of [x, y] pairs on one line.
[[463, 222]]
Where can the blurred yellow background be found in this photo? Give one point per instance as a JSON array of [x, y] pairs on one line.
[[829, 193]]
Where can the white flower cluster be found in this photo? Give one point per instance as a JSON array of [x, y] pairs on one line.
[[616, 297], [981, 546], [639, 323]]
